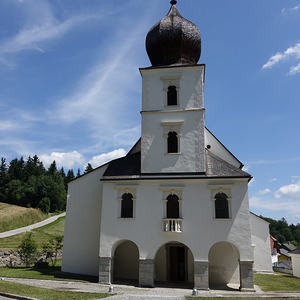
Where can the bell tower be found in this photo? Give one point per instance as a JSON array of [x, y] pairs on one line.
[[172, 98]]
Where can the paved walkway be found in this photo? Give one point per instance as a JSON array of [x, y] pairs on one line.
[[126, 292], [30, 227]]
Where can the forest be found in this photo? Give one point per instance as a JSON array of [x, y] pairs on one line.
[[284, 232], [29, 184]]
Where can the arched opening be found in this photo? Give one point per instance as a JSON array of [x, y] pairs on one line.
[[172, 207], [174, 265], [172, 142], [221, 206], [172, 95], [127, 206], [223, 266], [126, 263]]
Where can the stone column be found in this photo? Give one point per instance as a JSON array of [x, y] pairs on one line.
[[146, 273], [201, 275], [246, 276], [105, 270]]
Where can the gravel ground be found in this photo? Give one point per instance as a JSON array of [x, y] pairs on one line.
[[127, 292]]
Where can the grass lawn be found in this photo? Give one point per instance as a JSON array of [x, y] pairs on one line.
[[40, 235], [13, 216], [277, 283], [45, 294], [53, 273]]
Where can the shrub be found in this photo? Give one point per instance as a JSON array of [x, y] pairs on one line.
[[27, 250], [50, 250]]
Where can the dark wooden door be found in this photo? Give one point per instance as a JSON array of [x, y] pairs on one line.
[[177, 263]]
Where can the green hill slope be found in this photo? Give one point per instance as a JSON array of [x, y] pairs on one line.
[[13, 216]]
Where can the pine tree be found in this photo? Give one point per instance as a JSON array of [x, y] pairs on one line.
[[88, 168], [78, 173], [3, 179], [52, 170]]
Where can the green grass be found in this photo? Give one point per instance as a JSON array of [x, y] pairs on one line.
[[53, 273], [45, 294], [13, 216], [40, 235], [277, 283]]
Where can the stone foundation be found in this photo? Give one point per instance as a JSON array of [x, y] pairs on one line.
[[146, 273], [201, 275], [246, 276], [105, 270]]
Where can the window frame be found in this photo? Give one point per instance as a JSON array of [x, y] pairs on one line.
[[172, 127], [172, 190], [225, 188], [126, 189], [167, 82]]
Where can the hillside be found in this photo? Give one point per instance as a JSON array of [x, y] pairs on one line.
[[13, 216], [40, 235]]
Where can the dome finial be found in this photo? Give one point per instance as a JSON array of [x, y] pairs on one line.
[[173, 2]]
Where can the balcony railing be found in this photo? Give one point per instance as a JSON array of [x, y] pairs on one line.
[[172, 225]]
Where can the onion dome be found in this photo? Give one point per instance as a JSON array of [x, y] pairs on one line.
[[173, 40]]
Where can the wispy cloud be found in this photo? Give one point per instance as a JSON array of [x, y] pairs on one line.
[[273, 179], [42, 27], [285, 201], [291, 52], [291, 9], [104, 99], [264, 192]]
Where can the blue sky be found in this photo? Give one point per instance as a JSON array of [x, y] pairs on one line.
[[70, 89]]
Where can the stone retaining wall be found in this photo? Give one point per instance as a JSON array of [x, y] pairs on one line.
[[9, 258]]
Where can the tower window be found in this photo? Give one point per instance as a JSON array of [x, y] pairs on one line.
[[127, 206], [172, 95], [172, 207], [172, 142], [221, 206]]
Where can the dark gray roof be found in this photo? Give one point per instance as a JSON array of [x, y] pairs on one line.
[[129, 167], [173, 40], [215, 166], [125, 166]]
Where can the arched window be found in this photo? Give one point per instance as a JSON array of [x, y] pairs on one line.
[[127, 206], [221, 206], [172, 95], [172, 207], [172, 142]]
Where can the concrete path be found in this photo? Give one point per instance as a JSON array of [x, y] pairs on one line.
[[126, 292], [30, 227]]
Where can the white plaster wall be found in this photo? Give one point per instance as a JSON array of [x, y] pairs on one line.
[[260, 236], [154, 145], [82, 226], [296, 264], [190, 112], [191, 87], [219, 150], [200, 230]]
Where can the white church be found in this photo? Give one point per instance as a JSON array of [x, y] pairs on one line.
[[175, 209]]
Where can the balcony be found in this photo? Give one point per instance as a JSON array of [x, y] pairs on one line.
[[172, 225]]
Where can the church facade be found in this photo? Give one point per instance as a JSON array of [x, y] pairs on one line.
[[175, 208]]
